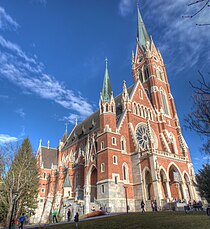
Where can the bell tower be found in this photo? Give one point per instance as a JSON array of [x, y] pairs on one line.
[[149, 68], [107, 104]]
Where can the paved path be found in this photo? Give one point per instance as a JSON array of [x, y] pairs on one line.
[[64, 222]]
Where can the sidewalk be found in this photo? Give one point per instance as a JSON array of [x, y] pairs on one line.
[[64, 222]]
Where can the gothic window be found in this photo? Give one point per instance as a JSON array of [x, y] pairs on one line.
[[139, 110], [115, 179], [102, 188], [140, 93], [141, 76], [164, 102], [123, 144], [142, 136], [113, 141], [125, 172], [102, 145], [134, 108], [107, 107], [112, 108], [102, 167], [146, 72], [115, 160]]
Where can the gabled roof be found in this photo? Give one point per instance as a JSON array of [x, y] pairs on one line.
[[92, 123], [49, 157]]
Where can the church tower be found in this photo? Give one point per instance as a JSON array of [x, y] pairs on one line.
[[107, 104]]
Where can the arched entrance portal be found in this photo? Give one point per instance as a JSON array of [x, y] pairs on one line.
[[163, 180], [175, 183], [93, 186], [149, 186]]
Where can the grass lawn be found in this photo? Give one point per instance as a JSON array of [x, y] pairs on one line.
[[158, 220]]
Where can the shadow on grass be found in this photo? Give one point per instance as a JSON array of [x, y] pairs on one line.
[[157, 220]]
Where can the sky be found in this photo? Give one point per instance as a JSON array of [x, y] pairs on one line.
[[52, 60]]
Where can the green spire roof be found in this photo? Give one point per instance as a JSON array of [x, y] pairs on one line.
[[106, 90], [67, 183], [142, 34]]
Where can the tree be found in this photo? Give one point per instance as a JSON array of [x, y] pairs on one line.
[[20, 182], [203, 181], [199, 119], [200, 5]]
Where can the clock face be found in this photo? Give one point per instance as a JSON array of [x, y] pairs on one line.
[[142, 137]]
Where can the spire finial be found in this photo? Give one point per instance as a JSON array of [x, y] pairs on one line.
[[106, 61], [40, 142], [76, 120]]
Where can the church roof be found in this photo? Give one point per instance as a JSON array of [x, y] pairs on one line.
[[142, 34], [106, 90], [49, 157], [92, 123]]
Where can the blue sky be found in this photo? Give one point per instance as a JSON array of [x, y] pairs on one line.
[[52, 56]]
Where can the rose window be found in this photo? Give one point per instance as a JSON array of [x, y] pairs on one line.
[[142, 137]]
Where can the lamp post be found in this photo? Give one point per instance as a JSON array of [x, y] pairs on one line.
[[126, 198], [13, 207]]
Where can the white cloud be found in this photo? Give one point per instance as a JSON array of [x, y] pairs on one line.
[[72, 118], [6, 22], [28, 73], [126, 7], [178, 36], [5, 138], [20, 112]]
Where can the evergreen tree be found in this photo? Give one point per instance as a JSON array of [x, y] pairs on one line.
[[20, 185], [203, 181]]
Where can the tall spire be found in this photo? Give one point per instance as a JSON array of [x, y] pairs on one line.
[[106, 90], [142, 34]]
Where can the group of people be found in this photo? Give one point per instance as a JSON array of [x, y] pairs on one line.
[[153, 205], [76, 217]]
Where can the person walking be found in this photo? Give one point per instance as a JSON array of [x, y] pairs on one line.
[[54, 215], [22, 220], [76, 220], [69, 215], [142, 206]]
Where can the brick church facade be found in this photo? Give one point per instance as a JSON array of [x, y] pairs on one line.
[[131, 146]]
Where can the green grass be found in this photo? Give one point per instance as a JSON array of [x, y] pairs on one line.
[[157, 220]]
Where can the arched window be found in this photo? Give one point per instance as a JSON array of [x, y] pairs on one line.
[[123, 144], [115, 160], [141, 76], [107, 107], [125, 172], [146, 72], [134, 108], [164, 102], [139, 109], [102, 167], [112, 108]]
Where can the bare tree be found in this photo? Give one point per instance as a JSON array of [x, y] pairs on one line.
[[201, 5], [199, 119]]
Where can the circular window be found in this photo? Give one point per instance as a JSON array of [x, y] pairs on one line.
[[142, 136]]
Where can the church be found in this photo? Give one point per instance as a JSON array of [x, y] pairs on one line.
[[131, 149]]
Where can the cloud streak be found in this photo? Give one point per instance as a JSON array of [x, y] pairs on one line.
[[126, 7], [6, 22], [191, 40], [5, 138], [28, 73]]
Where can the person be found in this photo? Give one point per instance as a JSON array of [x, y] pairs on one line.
[[76, 220], [54, 214], [142, 206], [22, 220], [69, 215], [155, 205]]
